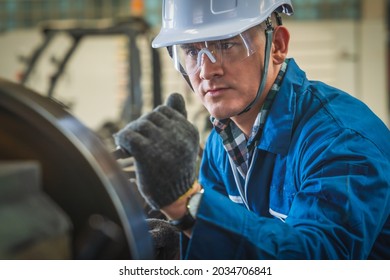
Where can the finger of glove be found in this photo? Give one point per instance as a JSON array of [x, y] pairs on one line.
[[158, 119], [162, 232], [176, 101], [137, 136], [130, 140], [146, 127], [169, 112]]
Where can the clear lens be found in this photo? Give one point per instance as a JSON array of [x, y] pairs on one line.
[[189, 58]]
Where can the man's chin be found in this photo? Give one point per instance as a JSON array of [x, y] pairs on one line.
[[222, 115]]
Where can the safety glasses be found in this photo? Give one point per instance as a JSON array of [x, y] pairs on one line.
[[189, 58]]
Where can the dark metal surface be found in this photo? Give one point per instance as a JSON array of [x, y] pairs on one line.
[[78, 172], [32, 224]]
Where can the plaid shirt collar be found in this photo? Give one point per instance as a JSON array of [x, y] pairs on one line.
[[238, 147]]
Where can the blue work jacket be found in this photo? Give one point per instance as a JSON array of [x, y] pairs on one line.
[[318, 186]]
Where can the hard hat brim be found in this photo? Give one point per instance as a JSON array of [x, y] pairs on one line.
[[206, 33]]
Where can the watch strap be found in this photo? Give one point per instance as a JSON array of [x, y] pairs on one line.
[[188, 220], [184, 223]]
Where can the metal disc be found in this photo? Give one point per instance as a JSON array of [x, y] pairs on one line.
[[78, 173]]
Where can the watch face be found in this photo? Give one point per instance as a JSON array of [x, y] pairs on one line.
[[193, 204]]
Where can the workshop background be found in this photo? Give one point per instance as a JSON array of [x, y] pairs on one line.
[[342, 42], [93, 57]]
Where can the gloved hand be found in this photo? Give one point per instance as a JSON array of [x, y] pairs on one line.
[[166, 239], [165, 147]]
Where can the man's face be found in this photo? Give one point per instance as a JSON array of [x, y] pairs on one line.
[[226, 88]]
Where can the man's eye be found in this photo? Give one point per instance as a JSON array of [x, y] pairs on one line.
[[227, 45], [190, 51], [193, 52]]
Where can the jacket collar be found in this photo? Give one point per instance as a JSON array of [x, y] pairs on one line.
[[278, 127]]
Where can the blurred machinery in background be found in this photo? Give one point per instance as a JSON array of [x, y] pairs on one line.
[[131, 28], [62, 193]]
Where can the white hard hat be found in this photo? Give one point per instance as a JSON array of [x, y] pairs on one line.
[[187, 21]]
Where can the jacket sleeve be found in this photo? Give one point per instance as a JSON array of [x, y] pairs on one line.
[[343, 200], [225, 230], [338, 211]]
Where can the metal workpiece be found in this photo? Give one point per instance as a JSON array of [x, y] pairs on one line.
[[77, 172], [33, 225]]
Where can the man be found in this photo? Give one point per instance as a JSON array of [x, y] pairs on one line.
[[293, 169]]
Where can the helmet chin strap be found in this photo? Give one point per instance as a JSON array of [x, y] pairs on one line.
[[268, 37]]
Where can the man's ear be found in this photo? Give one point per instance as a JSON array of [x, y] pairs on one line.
[[281, 39]]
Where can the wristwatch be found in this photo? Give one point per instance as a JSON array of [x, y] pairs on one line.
[[188, 220]]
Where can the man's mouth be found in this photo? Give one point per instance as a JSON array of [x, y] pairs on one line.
[[216, 91]]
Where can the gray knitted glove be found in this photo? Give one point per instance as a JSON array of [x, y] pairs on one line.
[[166, 239], [165, 147]]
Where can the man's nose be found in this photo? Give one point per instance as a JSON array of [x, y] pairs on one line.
[[203, 53], [209, 66]]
